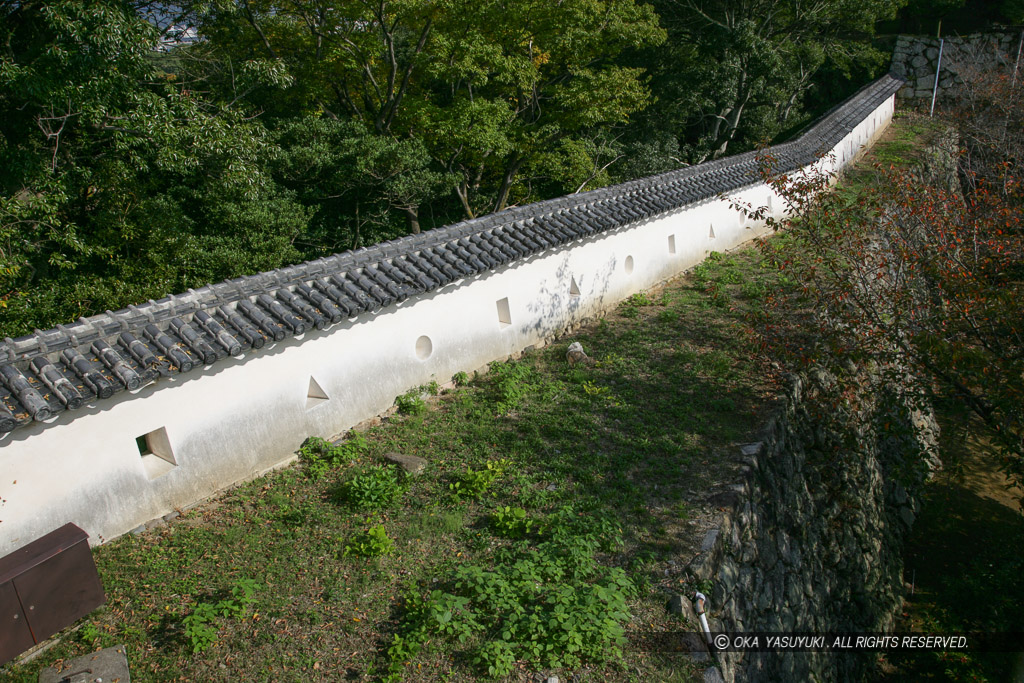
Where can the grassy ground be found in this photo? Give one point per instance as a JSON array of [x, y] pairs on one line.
[[552, 521]]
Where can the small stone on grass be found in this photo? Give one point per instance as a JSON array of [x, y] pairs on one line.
[[410, 463]]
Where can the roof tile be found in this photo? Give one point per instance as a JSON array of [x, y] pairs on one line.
[[210, 322]]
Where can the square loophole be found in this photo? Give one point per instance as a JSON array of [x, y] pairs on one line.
[[504, 314], [156, 452]]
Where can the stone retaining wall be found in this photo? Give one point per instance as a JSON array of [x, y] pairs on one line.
[[814, 540], [916, 57]]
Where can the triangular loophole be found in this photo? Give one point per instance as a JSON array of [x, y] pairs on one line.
[[316, 394], [574, 289], [711, 233]]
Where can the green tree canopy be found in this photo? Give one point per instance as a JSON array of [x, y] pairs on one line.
[[738, 70], [487, 86], [118, 185]]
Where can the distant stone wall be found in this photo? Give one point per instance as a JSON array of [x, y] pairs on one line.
[[915, 58], [814, 540]]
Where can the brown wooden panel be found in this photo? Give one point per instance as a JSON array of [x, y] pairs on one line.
[[15, 636], [60, 590], [39, 550]]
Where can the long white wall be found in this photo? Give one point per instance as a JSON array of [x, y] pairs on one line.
[[242, 416]]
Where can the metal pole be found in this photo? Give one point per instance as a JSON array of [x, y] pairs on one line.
[[1016, 64], [1013, 86], [938, 68]]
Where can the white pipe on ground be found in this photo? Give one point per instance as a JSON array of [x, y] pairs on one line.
[[701, 600]]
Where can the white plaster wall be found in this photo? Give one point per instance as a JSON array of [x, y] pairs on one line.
[[245, 415]]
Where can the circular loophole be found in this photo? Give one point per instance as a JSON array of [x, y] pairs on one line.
[[424, 347], [629, 265]]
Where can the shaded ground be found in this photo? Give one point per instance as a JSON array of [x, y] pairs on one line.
[[965, 563]]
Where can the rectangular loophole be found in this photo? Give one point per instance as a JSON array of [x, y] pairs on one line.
[[157, 455], [504, 314], [671, 244]]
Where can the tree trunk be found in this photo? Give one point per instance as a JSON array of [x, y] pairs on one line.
[[412, 217], [462, 190], [506, 182], [732, 123]]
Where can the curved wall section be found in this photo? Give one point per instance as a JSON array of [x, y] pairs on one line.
[[316, 348]]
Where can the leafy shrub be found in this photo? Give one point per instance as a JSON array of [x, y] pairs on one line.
[[570, 526], [373, 542], [668, 316], [716, 294], [401, 650], [513, 382], [441, 613], [201, 625], [372, 488], [612, 360], [550, 604], [460, 379], [411, 403], [89, 633], [702, 271], [496, 658], [241, 597], [752, 289], [630, 308], [510, 522], [474, 483], [592, 389], [318, 456]]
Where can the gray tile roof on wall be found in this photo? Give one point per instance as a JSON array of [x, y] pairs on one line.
[[51, 371]]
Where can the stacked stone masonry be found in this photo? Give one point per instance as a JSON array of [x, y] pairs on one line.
[[915, 58], [814, 542]]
